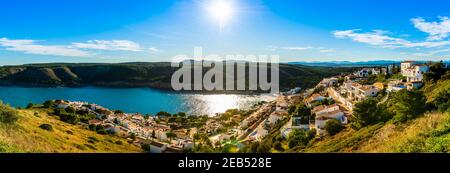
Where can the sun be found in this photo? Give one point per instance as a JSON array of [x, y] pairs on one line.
[[221, 11]]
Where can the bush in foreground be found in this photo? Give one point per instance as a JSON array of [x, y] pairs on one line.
[[8, 115], [333, 127], [47, 127]]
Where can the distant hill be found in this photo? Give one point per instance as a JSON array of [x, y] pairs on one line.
[[353, 64], [137, 74]]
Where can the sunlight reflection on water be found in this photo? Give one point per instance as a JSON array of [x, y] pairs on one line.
[[212, 104]]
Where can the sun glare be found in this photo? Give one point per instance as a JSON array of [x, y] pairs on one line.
[[221, 11]]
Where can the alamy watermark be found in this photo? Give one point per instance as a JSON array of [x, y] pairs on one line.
[[229, 73]]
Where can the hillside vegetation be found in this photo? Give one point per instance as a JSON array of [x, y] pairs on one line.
[[37, 132], [429, 132]]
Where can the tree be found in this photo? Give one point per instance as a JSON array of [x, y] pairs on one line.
[[333, 127], [30, 105], [437, 70], [163, 114], [182, 114], [171, 135], [70, 109], [368, 112], [69, 118], [298, 138], [146, 147], [407, 105], [302, 110], [49, 104], [292, 109], [318, 89], [442, 102], [264, 147], [153, 134], [278, 146]]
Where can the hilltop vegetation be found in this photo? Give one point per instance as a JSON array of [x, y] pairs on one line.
[[34, 130], [156, 75], [410, 121], [405, 121]]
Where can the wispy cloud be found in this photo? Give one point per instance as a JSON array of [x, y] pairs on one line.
[[327, 50], [32, 47], [380, 38], [291, 48], [71, 50], [154, 50], [121, 45], [297, 48], [435, 30]]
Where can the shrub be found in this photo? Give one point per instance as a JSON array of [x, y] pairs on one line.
[[70, 110], [298, 138], [407, 105], [145, 147], [69, 132], [92, 127], [47, 127], [264, 147], [101, 130], [8, 115], [278, 146], [69, 118], [30, 105], [49, 104], [368, 112], [119, 142], [333, 127]]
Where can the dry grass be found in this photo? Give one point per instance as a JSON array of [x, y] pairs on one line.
[[26, 136], [426, 134]]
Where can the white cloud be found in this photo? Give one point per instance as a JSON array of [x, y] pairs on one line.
[[297, 48], [293, 48], [375, 38], [327, 50], [153, 49], [435, 30], [119, 45], [381, 39], [31, 47]]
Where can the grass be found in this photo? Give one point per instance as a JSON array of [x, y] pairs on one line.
[[26, 136], [433, 91], [346, 141], [427, 134]]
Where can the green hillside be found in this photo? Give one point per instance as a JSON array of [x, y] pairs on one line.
[[427, 133], [28, 135], [156, 75]]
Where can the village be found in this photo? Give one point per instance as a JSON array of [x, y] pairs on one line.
[[332, 98]]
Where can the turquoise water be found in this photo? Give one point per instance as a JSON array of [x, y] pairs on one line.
[[134, 100]]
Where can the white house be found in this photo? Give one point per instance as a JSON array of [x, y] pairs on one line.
[[365, 72], [323, 118], [413, 72], [161, 135], [323, 109], [327, 82], [157, 147], [313, 98]]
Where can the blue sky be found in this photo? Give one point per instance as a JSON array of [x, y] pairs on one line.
[[157, 30]]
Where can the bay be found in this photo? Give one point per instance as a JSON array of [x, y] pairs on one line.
[[133, 100]]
